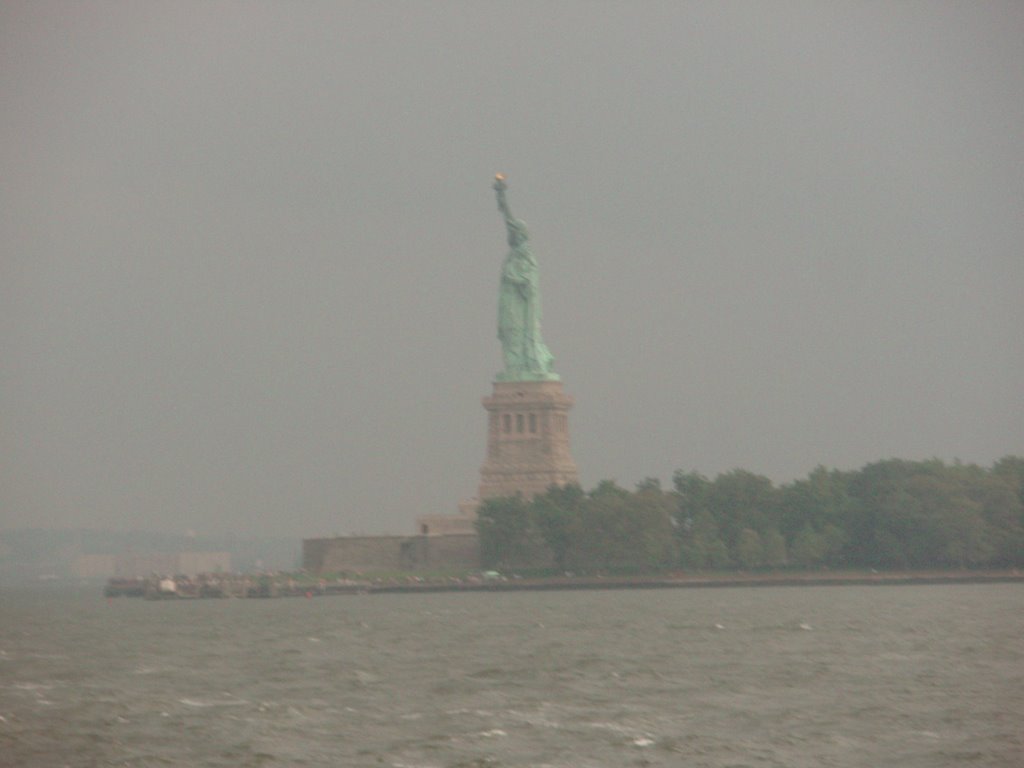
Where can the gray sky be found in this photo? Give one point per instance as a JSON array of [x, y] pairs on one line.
[[250, 252]]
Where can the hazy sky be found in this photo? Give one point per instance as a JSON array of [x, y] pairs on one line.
[[250, 252]]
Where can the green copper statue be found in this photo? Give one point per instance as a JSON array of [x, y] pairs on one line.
[[526, 357]]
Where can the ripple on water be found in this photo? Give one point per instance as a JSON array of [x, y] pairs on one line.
[[611, 679]]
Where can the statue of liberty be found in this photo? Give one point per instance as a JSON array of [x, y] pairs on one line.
[[526, 356]]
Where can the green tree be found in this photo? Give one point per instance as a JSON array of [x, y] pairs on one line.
[[808, 548], [774, 548], [882, 517], [608, 489], [505, 531], [1003, 511], [1011, 470], [691, 490], [701, 544], [749, 549], [834, 539], [622, 531], [819, 500], [655, 510], [649, 484], [738, 500], [718, 555], [1003, 507], [555, 515], [951, 528]]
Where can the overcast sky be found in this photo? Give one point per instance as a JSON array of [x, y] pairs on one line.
[[250, 252]]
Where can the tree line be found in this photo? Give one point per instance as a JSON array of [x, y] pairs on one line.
[[889, 514]]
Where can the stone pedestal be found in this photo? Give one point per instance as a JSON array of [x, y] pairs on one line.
[[527, 439]]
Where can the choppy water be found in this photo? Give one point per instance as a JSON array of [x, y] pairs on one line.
[[927, 676]]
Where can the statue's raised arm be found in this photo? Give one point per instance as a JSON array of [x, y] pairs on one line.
[[517, 234], [500, 186]]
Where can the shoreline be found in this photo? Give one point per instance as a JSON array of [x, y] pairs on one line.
[[705, 581], [266, 586]]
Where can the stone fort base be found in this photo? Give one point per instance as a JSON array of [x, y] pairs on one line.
[[376, 554]]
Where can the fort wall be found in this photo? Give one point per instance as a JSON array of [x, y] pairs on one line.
[[370, 554]]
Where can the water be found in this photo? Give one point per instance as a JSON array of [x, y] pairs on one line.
[[927, 676]]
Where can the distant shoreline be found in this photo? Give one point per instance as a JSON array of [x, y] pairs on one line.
[[705, 581], [284, 585]]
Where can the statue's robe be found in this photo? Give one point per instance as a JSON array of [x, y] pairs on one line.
[[519, 316]]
